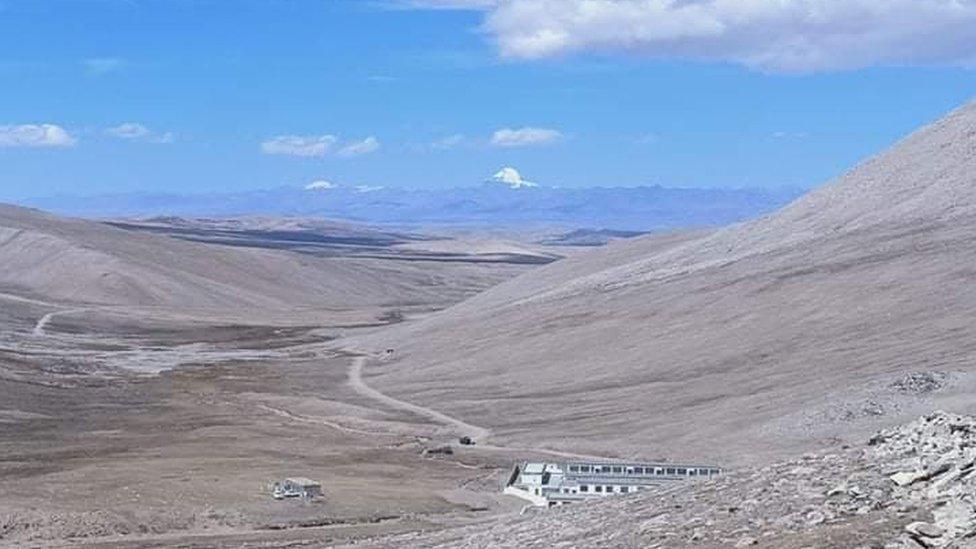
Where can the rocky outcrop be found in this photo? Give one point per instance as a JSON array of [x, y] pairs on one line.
[[909, 487], [934, 460]]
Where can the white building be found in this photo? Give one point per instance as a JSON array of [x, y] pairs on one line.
[[547, 484]]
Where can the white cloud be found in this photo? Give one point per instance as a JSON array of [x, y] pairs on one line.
[[648, 139], [35, 135], [129, 130], [767, 35], [790, 135], [368, 188], [103, 65], [324, 185], [522, 137], [357, 148], [449, 142], [318, 146], [511, 177], [133, 131], [296, 145], [320, 185]]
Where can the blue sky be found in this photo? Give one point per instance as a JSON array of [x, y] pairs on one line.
[[113, 96]]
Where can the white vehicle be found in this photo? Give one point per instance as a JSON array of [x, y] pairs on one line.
[[296, 488]]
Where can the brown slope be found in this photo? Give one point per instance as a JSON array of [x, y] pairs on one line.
[[73, 261], [754, 341]]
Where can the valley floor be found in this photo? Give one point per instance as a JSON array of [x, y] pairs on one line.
[[133, 430], [141, 431]]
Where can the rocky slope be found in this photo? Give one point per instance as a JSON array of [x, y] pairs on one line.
[[911, 486]]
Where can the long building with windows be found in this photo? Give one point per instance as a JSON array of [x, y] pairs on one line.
[[548, 484]]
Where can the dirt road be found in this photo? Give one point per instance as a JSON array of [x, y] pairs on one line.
[[477, 434], [46, 319]]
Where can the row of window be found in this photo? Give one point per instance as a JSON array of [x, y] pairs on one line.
[[587, 489], [604, 489], [621, 469], [594, 488]]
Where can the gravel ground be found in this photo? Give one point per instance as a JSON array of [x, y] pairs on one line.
[[908, 487]]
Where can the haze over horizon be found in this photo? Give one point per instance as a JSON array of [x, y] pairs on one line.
[[505, 201]]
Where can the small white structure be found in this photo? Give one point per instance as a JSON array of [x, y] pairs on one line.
[[548, 484], [297, 487]]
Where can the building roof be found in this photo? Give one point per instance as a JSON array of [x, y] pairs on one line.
[[536, 467], [302, 481]]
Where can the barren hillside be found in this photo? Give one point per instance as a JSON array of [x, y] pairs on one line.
[[65, 260], [756, 341]]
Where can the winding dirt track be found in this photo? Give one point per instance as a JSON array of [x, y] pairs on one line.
[[12, 297], [355, 379], [44, 320], [42, 323], [319, 421], [478, 434]]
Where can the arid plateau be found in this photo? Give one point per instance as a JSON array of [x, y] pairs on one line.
[[159, 375]]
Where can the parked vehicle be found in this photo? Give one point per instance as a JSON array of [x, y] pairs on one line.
[[296, 488]]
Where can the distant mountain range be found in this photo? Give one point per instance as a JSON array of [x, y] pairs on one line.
[[489, 204]]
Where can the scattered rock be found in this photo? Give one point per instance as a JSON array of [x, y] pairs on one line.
[[919, 383], [746, 542], [924, 529], [816, 517], [837, 490], [906, 478]]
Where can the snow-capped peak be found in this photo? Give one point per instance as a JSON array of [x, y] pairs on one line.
[[512, 178]]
